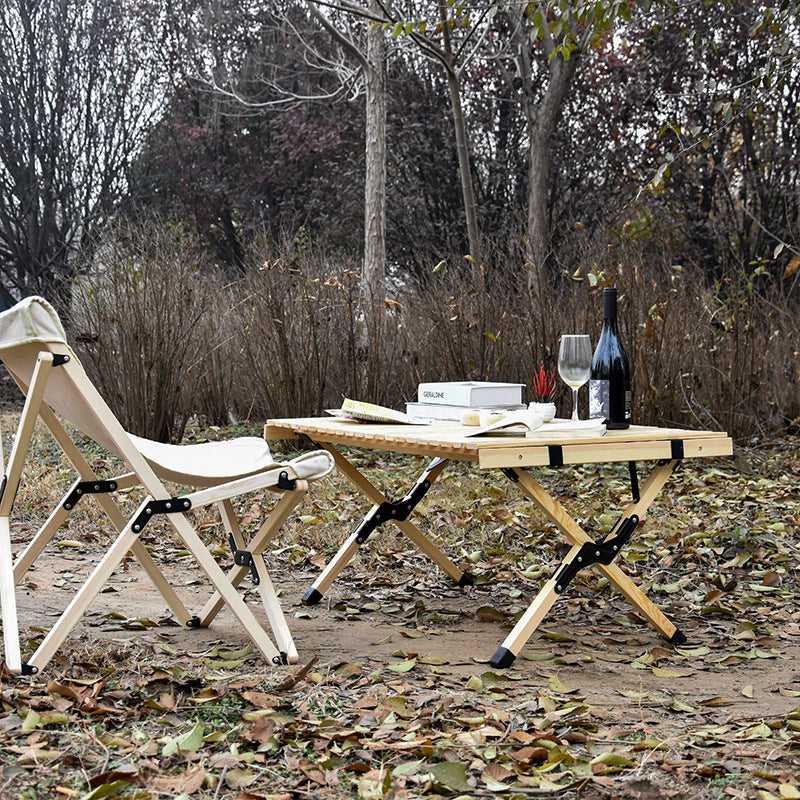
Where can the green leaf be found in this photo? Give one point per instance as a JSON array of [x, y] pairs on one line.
[[612, 759], [31, 721], [190, 742], [107, 790], [404, 666], [409, 767], [557, 685], [451, 775]]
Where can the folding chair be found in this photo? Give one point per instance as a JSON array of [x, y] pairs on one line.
[[34, 349]]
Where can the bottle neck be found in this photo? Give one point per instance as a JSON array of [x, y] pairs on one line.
[[610, 309]]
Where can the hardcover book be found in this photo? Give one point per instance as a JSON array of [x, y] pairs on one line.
[[443, 411], [471, 394]]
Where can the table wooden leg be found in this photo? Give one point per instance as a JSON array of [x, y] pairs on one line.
[[407, 528], [577, 537]]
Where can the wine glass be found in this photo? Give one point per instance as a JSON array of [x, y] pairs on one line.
[[575, 364]]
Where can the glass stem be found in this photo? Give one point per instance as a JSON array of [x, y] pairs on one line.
[[574, 403]]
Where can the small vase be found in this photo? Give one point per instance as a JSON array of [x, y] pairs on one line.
[[547, 410]]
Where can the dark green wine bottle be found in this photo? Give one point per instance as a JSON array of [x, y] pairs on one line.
[[610, 382]]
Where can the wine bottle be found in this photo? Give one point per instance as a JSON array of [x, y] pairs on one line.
[[610, 382]]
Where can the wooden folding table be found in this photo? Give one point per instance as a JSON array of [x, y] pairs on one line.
[[514, 456]]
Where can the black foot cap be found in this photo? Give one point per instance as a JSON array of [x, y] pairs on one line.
[[502, 658], [465, 580], [311, 597], [678, 637]]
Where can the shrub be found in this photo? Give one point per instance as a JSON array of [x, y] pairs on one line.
[[165, 337], [143, 322]]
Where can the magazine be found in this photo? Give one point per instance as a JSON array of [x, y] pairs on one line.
[[370, 412]]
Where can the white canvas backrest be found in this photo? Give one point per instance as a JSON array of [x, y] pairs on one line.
[[32, 326]]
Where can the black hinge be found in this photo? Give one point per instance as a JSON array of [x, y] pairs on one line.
[[285, 482], [398, 510], [244, 558], [634, 481], [556, 455], [174, 505], [603, 552], [59, 359], [88, 487], [510, 473]]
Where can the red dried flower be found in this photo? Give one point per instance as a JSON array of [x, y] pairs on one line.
[[544, 386]]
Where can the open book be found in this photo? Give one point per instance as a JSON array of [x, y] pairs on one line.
[[530, 425]]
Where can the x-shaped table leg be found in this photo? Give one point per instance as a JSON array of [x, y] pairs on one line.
[[383, 511], [576, 536]]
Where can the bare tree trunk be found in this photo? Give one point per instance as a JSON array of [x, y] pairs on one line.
[[372, 61], [373, 277], [462, 148], [373, 272], [542, 124]]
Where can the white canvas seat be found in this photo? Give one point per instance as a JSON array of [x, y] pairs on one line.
[[34, 349]]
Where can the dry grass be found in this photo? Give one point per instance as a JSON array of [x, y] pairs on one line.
[[168, 339]]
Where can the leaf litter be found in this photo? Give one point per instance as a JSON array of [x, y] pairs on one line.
[[394, 696]]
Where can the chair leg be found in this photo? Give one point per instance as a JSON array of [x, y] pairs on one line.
[[279, 514], [272, 605], [8, 600], [35, 547], [114, 514], [224, 587], [82, 600]]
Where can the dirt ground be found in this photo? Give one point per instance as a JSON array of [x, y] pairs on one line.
[[714, 718], [592, 640]]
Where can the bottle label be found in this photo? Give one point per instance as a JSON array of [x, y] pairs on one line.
[[598, 399], [600, 402]]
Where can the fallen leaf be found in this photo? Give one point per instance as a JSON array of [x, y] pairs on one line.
[[186, 783]]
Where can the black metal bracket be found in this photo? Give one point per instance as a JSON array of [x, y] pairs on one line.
[[59, 359], [175, 505], [398, 510], [87, 487], [676, 452], [285, 482], [602, 552], [555, 454], [244, 558], [281, 659], [634, 481], [510, 473]]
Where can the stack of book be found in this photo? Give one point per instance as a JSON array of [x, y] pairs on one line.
[[449, 400]]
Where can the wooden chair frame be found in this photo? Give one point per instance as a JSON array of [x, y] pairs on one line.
[[289, 480]]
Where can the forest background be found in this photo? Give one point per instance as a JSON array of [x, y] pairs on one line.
[[246, 210]]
